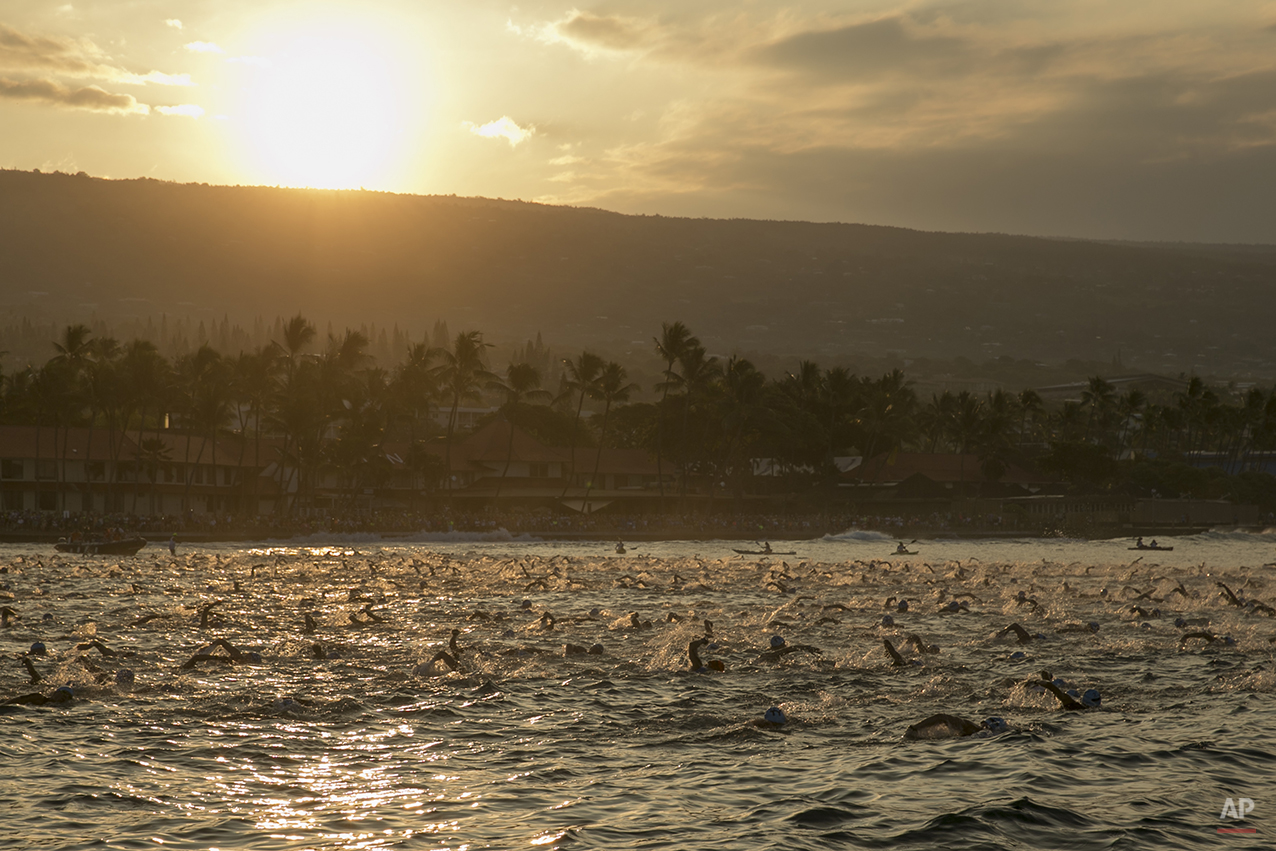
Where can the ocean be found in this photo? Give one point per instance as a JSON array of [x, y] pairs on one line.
[[345, 735]]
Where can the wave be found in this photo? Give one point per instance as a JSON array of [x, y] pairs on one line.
[[854, 534]]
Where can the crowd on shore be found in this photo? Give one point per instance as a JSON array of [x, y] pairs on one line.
[[538, 523]]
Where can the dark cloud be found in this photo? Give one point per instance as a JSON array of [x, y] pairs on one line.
[[90, 98], [22, 51], [866, 50], [608, 31], [70, 58]]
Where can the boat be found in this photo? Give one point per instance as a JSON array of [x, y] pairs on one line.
[[765, 552], [904, 553], [1146, 548], [123, 547]]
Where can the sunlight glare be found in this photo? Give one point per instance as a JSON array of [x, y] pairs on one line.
[[332, 104]]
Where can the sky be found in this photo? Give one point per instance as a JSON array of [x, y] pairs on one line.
[[1138, 120]]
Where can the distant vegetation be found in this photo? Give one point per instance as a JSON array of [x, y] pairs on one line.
[[708, 420], [953, 310]]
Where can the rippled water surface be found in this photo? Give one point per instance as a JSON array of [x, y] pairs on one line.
[[348, 737]]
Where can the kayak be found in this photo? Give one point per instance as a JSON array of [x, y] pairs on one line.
[[1153, 549], [765, 553], [905, 553]]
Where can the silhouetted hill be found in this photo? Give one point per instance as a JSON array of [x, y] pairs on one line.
[[72, 247]]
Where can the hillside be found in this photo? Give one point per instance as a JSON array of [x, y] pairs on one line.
[[75, 247]]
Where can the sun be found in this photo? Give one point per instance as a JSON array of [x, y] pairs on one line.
[[331, 103]]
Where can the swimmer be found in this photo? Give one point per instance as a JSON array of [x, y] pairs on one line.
[[699, 667], [206, 612], [570, 649], [547, 621], [945, 726], [452, 645], [5, 614], [63, 694], [773, 719], [638, 623], [30, 666], [442, 656], [1090, 700], [620, 548], [896, 659], [1208, 638], [101, 648], [1021, 635], [235, 656], [780, 647], [311, 626], [921, 646]]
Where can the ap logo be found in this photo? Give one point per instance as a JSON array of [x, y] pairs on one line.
[[1237, 809]]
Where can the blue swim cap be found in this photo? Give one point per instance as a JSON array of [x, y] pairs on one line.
[[887, 620], [775, 715], [1017, 655], [1180, 622], [776, 642], [63, 694], [996, 725], [902, 606], [1092, 698], [38, 649]]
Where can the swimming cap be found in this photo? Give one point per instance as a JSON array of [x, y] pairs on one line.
[[1092, 698], [1017, 655], [62, 695], [774, 715], [253, 656], [996, 725], [1094, 626], [596, 650], [1180, 623], [124, 678], [887, 620], [38, 649], [776, 642], [902, 607]]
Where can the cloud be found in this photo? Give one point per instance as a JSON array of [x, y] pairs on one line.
[[502, 128], [174, 23], [203, 47], [188, 110], [91, 98], [72, 58]]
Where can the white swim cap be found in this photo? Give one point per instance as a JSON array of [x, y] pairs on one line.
[[1092, 698], [776, 642], [775, 715]]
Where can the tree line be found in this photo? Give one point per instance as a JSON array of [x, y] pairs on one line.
[[324, 406]]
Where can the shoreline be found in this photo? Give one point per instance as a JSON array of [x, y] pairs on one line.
[[161, 539]]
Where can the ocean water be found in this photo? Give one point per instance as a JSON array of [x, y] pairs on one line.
[[371, 746]]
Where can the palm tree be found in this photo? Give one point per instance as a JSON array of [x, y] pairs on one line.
[[673, 343], [463, 376], [700, 373], [256, 381], [522, 384], [581, 378], [612, 389]]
